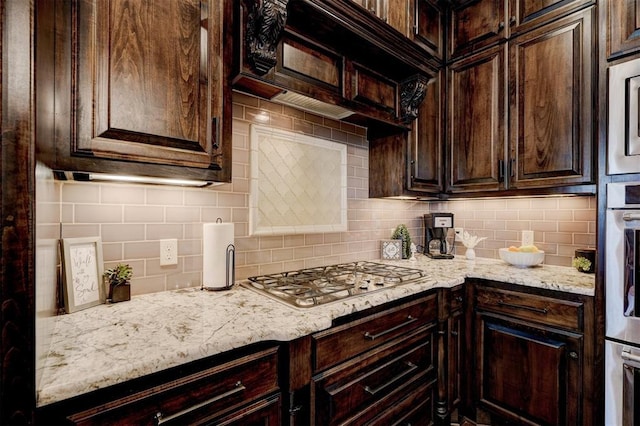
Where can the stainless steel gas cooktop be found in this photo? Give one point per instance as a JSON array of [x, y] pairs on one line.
[[305, 288]]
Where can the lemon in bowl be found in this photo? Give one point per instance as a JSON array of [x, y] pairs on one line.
[[523, 256]]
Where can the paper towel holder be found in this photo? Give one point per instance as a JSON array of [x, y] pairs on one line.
[[231, 271]]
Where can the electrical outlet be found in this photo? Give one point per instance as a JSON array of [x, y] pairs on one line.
[[527, 238], [168, 252], [458, 232]]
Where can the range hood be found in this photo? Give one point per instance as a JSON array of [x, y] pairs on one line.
[[315, 106], [331, 57]]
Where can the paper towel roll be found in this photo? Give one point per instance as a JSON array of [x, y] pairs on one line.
[[216, 237]]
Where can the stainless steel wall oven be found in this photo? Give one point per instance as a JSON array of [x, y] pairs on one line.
[[622, 344]]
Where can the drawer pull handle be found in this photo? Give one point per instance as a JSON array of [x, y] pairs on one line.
[[159, 418], [543, 311], [454, 333], [411, 369], [370, 336]]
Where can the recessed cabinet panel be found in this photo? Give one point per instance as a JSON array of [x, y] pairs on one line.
[[141, 96], [428, 28], [374, 89], [476, 122], [477, 24], [311, 62], [138, 88], [551, 104], [527, 14], [513, 358], [425, 141], [623, 27]]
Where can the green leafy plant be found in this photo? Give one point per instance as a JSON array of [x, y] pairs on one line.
[[402, 233], [119, 274], [582, 264]]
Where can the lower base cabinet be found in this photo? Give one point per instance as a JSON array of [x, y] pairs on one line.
[[528, 374], [534, 356], [241, 390]]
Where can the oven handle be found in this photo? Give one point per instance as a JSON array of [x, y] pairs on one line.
[[628, 217], [628, 356]]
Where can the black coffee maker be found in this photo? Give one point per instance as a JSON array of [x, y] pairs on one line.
[[436, 229]]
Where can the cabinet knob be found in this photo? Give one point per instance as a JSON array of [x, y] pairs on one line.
[[573, 354], [512, 21], [500, 26], [454, 333]]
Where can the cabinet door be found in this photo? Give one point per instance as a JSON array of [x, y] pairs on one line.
[[477, 24], [551, 104], [428, 26], [527, 373], [425, 141], [147, 87], [623, 27], [527, 14], [476, 122]]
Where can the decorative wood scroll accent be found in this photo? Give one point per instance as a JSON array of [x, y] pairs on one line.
[[412, 93], [265, 23]]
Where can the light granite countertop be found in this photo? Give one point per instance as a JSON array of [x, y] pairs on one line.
[[109, 344]]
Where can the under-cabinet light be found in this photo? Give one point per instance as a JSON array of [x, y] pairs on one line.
[[149, 180]]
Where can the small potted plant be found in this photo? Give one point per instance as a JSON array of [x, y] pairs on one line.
[[119, 280], [402, 233], [582, 264]]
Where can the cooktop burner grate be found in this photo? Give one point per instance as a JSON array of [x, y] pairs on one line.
[[315, 286]]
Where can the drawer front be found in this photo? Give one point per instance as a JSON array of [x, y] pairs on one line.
[[352, 389], [545, 310], [220, 389], [416, 409], [341, 343]]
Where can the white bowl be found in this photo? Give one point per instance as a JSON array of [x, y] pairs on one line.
[[521, 259]]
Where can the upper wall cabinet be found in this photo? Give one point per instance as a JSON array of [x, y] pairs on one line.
[[546, 81], [333, 53], [137, 87], [623, 27], [420, 20], [477, 24], [410, 165]]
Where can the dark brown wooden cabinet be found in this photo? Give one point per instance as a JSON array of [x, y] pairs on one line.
[[476, 123], [428, 26], [410, 164], [551, 104], [622, 26], [136, 87], [532, 356], [549, 144], [377, 368], [240, 389], [477, 24]]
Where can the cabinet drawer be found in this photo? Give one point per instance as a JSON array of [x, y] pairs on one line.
[[222, 389], [341, 343], [355, 388], [545, 310]]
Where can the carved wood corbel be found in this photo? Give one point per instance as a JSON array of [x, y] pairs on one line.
[[265, 23], [412, 93]]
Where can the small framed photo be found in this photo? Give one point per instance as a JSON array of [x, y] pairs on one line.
[[391, 249], [82, 273]]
